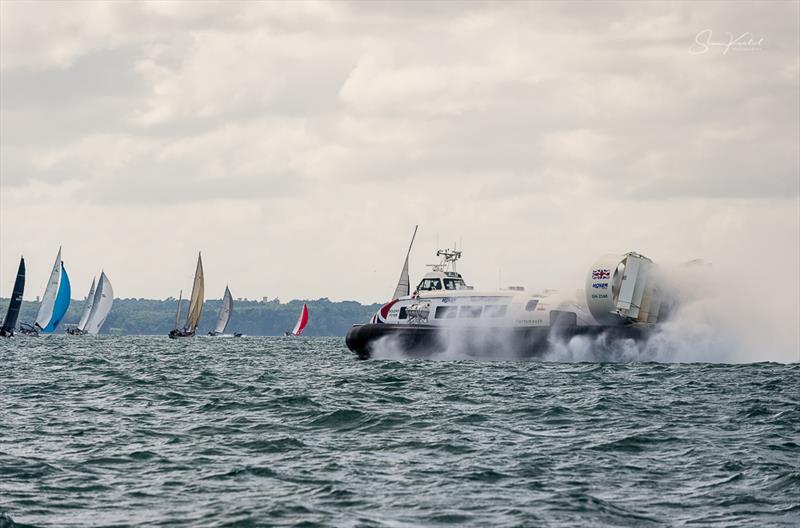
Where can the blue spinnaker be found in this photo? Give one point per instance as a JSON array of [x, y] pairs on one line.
[[62, 302]]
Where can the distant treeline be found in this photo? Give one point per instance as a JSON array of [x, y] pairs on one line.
[[154, 317]]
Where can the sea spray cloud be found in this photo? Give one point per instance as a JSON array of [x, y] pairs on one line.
[[710, 317], [480, 342], [719, 316]]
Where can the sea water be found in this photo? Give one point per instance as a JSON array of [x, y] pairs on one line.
[[122, 431]]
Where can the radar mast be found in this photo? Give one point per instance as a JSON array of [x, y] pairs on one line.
[[448, 260]]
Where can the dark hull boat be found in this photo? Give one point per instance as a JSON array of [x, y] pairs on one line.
[[195, 306], [28, 329], [10, 320]]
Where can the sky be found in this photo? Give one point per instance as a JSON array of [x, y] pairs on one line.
[[297, 144]]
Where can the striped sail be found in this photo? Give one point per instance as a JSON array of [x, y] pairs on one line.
[[87, 307], [224, 312], [49, 297], [196, 301], [103, 299]]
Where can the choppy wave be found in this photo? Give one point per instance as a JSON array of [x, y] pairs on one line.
[[273, 431]]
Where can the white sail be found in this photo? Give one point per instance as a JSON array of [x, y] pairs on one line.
[[87, 307], [224, 312], [103, 299], [196, 301], [50, 292], [404, 284]]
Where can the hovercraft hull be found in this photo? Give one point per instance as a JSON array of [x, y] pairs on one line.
[[510, 343]]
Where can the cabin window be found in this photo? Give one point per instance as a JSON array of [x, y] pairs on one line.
[[531, 306], [446, 312], [430, 284], [495, 310], [470, 312], [403, 313], [454, 284]]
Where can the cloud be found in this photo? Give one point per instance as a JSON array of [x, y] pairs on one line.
[[303, 139]]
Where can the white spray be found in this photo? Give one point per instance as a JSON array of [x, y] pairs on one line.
[[721, 317]]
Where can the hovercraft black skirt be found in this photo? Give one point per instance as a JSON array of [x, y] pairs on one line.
[[367, 340]]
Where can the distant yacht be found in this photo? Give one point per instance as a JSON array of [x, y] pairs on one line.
[[225, 312], [10, 321], [97, 307], [55, 301], [195, 306], [301, 324], [87, 309]]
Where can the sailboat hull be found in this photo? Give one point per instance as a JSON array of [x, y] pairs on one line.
[[28, 330], [15, 302], [176, 334]]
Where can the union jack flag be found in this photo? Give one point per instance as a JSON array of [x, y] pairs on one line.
[[600, 274]]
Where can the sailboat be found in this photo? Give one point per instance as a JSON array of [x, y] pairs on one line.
[[403, 288], [97, 307], [87, 309], [10, 321], [195, 306], [225, 312], [55, 301], [301, 324]]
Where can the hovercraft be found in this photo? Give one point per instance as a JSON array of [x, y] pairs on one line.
[[620, 301]]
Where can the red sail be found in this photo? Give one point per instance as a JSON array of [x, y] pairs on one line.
[[301, 322]]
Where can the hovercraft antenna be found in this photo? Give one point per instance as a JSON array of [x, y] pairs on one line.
[[449, 259]]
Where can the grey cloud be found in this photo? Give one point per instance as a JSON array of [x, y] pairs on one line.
[[460, 114]]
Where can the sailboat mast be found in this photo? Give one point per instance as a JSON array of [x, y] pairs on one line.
[[178, 313], [411, 245]]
